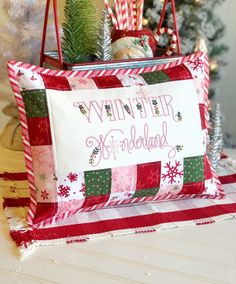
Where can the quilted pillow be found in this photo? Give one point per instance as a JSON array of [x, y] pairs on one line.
[[105, 138]]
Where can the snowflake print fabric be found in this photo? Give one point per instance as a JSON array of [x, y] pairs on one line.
[[172, 173], [100, 138]]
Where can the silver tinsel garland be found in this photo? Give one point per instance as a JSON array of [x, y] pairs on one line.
[[216, 137], [104, 39]]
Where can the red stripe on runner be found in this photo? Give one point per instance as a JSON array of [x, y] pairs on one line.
[[13, 176], [26, 237], [228, 179], [16, 202]]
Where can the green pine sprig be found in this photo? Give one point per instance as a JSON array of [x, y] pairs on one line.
[[80, 30]]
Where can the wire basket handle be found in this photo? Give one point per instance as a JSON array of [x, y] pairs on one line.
[[56, 23]]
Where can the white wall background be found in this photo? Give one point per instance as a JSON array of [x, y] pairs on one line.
[[227, 85]]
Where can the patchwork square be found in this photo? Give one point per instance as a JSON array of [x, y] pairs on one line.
[[193, 169], [35, 103], [105, 82], [148, 175], [132, 80], [98, 182], [56, 82], [39, 131], [44, 173], [112, 140], [123, 183], [155, 77], [172, 175], [28, 80], [146, 193], [71, 186], [178, 73], [81, 83]]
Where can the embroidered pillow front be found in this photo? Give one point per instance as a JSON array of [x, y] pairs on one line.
[[97, 139]]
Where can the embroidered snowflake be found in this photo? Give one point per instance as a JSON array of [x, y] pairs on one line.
[[197, 64], [64, 191], [44, 194], [72, 177], [172, 172], [113, 147]]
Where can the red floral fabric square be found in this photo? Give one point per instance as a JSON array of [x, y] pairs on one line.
[[56, 83], [39, 131], [94, 200], [178, 73], [108, 82], [193, 188], [148, 175]]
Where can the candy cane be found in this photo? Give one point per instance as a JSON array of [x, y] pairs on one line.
[[118, 14], [134, 13], [131, 12], [127, 15], [140, 14], [113, 18], [123, 13]]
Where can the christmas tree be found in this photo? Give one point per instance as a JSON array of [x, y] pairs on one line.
[[197, 22], [21, 36], [80, 30], [215, 147]]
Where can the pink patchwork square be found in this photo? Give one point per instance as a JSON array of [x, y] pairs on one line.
[[81, 83], [43, 166], [123, 183], [132, 80]]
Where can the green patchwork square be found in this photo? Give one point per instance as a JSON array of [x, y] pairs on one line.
[[193, 169], [98, 182], [155, 77], [146, 192], [35, 103]]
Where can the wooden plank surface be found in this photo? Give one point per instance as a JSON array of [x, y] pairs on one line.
[[203, 254]]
